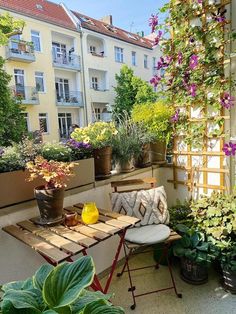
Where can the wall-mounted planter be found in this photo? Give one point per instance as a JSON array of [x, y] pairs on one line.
[[15, 189]]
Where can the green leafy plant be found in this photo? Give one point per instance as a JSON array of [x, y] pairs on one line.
[[56, 151], [228, 259], [98, 135], [155, 117], [10, 159], [61, 289], [194, 246], [180, 214]]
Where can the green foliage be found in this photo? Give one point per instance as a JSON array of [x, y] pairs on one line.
[[56, 151], [155, 117], [9, 26], [228, 259], [60, 289], [179, 214], [130, 90], [194, 246], [215, 215], [11, 159], [12, 122]]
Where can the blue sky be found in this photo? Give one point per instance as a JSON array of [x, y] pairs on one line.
[[131, 15]]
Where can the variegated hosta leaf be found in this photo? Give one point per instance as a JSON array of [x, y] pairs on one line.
[[101, 307], [18, 285], [41, 274], [66, 281], [27, 301]]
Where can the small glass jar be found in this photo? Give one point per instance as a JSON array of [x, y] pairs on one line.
[[71, 219], [90, 213]]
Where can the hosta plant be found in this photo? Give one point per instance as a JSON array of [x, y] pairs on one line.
[[228, 259], [61, 289]]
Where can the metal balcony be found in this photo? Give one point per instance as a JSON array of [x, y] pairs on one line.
[[18, 50], [71, 99], [67, 61], [26, 95]]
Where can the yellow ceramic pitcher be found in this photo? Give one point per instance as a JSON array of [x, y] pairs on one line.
[[90, 213]]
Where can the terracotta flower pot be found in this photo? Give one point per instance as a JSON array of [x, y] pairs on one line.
[[158, 152], [102, 162], [50, 204], [127, 166]]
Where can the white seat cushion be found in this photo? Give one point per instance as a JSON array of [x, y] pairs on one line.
[[150, 234]]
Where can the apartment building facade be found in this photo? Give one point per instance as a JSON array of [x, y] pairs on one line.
[[63, 65]]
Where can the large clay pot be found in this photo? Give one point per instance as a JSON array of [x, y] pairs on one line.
[[144, 159], [229, 281], [50, 204], [192, 272], [127, 166], [102, 162], [158, 152]]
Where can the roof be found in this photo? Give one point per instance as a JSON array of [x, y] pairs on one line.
[[112, 31], [41, 10]]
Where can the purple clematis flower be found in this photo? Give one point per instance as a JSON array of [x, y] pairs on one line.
[[175, 117], [155, 80], [193, 62], [192, 89], [229, 149], [153, 22], [180, 58], [157, 39], [191, 40], [227, 101], [220, 15], [164, 63], [79, 145]]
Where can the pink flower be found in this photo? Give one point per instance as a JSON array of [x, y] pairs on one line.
[[175, 117], [157, 39], [193, 62], [155, 80], [153, 22], [180, 58], [227, 101], [229, 149], [192, 90]]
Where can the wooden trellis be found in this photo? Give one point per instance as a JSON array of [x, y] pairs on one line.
[[193, 171]]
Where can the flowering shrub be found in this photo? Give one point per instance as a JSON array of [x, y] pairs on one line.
[[79, 150], [55, 173], [56, 151], [98, 135], [10, 159]]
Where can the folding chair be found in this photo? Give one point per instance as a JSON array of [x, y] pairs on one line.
[[143, 236]]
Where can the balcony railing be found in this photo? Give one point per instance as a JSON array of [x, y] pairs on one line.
[[99, 88], [67, 61], [18, 50], [27, 95], [71, 99]]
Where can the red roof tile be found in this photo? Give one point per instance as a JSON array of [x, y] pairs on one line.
[[115, 32], [51, 12]]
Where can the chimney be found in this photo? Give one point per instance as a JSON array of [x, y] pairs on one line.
[[107, 19]]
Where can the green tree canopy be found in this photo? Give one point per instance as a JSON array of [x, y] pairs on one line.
[[9, 27], [130, 90]]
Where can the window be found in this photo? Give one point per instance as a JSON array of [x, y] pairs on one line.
[[145, 61], [19, 82], [119, 54], [43, 122], [92, 49], [26, 117], [59, 53], [97, 114], [35, 38], [39, 81], [62, 90], [95, 83], [133, 57], [65, 123], [14, 43]]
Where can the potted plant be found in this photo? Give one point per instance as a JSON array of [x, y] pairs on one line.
[[126, 145], [228, 264], [156, 118], [195, 253], [50, 196], [60, 289], [100, 136]]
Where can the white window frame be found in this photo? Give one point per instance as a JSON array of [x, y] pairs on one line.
[[40, 75], [37, 36], [64, 116], [94, 83], [92, 49], [26, 117], [133, 58], [119, 54], [145, 61], [45, 116], [98, 113]]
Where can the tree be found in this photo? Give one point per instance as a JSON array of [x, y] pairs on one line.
[[12, 123], [130, 90]]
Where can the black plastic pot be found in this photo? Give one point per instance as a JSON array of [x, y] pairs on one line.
[[229, 281], [193, 273], [50, 204]]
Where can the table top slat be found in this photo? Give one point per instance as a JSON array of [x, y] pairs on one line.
[[74, 236], [37, 244], [105, 228], [51, 237], [90, 232]]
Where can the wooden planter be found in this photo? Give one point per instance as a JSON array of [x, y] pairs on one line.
[[158, 152], [15, 189]]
